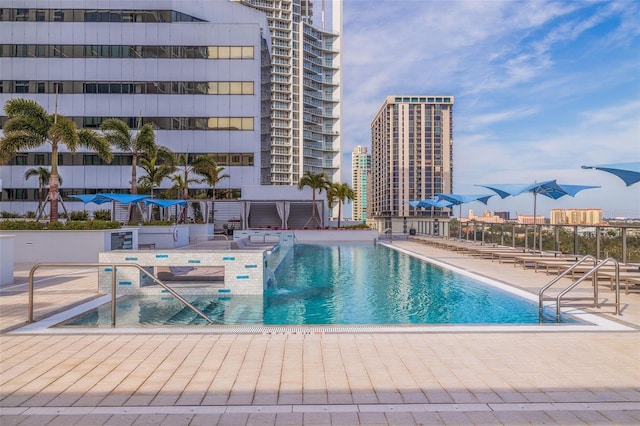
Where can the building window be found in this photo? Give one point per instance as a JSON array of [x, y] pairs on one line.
[[22, 86]]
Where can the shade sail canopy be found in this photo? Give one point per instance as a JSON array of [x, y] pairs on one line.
[[166, 203], [102, 198], [457, 199], [548, 188], [434, 203], [628, 172], [506, 190]]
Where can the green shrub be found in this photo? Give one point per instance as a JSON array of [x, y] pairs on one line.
[[79, 215], [104, 214], [101, 224], [54, 226], [30, 214], [8, 215], [358, 226], [17, 225], [24, 225]]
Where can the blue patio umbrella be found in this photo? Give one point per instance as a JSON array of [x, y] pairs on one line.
[[628, 172], [460, 199], [549, 188]]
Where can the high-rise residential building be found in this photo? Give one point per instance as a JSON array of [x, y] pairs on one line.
[[199, 70], [576, 216], [360, 169], [306, 88], [412, 146]]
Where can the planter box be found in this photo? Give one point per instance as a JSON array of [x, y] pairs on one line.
[[69, 246], [6, 259]]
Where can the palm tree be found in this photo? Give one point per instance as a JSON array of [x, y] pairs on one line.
[[120, 135], [341, 192], [138, 144], [30, 126], [317, 182], [211, 173], [182, 179], [157, 168], [43, 179]]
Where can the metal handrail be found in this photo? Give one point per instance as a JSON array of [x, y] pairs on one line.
[[113, 286], [390, 231], [562, 275], [594, 272], [198, 237]]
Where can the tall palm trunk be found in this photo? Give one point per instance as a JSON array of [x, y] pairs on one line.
[[313, 208], [54, 184], [339, 212], [133, 214], [53, 196], [40, 191]]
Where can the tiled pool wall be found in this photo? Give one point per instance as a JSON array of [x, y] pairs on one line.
[[285, 238], [243, 270]]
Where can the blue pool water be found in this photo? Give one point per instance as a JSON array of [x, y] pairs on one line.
[[339, 284]]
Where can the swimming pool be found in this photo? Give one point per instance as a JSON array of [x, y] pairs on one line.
[[341, 284]]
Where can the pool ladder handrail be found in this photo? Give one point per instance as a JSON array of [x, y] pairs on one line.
[[198, 237], [113, 266], [593, 272]]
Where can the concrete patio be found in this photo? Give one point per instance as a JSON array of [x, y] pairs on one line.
[[481, 376]]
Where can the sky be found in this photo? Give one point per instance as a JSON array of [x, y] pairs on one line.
[[541, 88]]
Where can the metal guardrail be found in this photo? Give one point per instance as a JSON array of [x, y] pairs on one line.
[[113, 266]]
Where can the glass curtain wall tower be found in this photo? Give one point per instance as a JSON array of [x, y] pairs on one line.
[[412, 149], [306, 88]]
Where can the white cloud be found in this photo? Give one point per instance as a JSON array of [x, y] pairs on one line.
[[541, 88]]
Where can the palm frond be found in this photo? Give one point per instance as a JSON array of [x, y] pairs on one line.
[[66, 132], [118, 133], [19, 107], [96, 142], [145, 141]]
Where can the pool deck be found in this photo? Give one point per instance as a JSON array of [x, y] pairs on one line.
[[483, 376]]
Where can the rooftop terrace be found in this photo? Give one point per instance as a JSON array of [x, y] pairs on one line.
[[484, 375]]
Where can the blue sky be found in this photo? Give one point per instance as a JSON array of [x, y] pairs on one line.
[[541, 88]]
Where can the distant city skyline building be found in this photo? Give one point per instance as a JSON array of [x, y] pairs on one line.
[[525, 219], [306, 88], [412, 149], [487, 217], [360, 170], [576, 216]]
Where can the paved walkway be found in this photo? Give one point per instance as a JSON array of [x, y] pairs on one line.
[[513, 377]]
